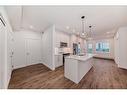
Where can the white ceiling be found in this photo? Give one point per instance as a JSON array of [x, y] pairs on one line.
[[38, 18]]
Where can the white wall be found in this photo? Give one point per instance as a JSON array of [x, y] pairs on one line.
[[116, 48], [109, 55], [2, 53], [120, 40], [7, 48], [19, 46], [1, 56], [48, 47]]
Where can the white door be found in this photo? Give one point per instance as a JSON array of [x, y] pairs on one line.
[[33, 51], [0, 54], [5, 67], [2, 40]]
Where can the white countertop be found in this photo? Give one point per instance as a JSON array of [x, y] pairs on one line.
[[81, 58]]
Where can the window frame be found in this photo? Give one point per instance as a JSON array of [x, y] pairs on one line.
[[102, 46]]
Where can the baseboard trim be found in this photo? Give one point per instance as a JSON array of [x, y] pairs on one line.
[[49, 67]]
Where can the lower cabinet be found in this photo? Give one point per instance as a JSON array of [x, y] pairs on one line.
[[58, 60]]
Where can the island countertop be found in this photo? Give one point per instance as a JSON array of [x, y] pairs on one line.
[[81, 58]]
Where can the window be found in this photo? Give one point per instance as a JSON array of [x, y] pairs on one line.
[[90, 49], [102, 47]]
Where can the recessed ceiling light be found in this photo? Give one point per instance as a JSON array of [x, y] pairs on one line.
[[31, 27], [108, 32], [67, 27]]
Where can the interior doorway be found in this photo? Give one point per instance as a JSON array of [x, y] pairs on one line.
[[33, 54]]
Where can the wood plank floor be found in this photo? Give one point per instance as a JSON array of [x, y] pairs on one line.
[[104, 74]]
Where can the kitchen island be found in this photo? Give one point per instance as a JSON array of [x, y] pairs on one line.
[[76, 67]]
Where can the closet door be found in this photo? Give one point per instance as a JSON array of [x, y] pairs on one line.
[[33, 51]]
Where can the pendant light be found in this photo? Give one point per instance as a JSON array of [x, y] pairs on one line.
[[84, 34], [90, 33], [90, 27]]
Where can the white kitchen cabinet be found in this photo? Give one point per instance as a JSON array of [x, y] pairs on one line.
[[58, 60], [76, 67]]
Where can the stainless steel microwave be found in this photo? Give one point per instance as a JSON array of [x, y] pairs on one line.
[[63, 44]]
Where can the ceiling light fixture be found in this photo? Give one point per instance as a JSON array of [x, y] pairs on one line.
[[31, 27], [67, 27], [83, 34], [108, 32], [83, 26], [90, 35], [90, 27]]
